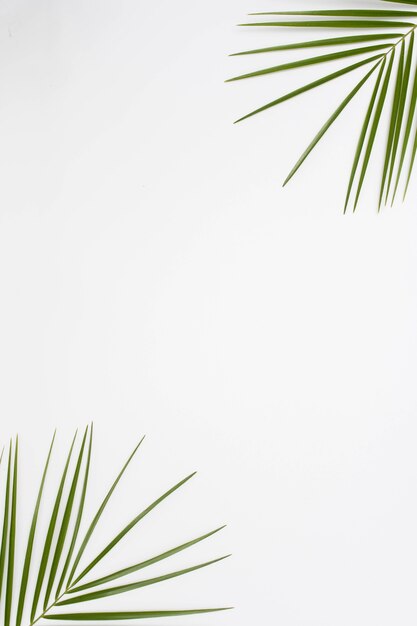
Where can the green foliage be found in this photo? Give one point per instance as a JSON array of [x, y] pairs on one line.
[[385, 39], [57, 580]]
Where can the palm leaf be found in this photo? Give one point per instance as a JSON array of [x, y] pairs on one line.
[[60, 553], [393, 39], [405, 87], [78, 519], [408, 126], [99, 513], [64, 524], [392, 125], [134, 568], [111, 591], [329, 122], [129, 527], [402, 1], [309, 86], [362, 136], [319, 43], [335, 56], [12, 542], [50, 535], [101, 617], [335, 24], [344, 13], [6, 512], [30, 542], [413, 154], [374, 128]]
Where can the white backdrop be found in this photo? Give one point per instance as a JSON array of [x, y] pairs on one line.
[[154, 277]]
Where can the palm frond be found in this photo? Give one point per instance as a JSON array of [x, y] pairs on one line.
[[56, 581], [385, 37]]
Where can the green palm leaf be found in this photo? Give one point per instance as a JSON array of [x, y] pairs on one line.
[[364, 131], [408, 126], [405, 87], [31, 538], [335, 56], [59, 554], [100, 617], [392, 125], [111, 591], [335, 24], [402, 1], [50, 535], [312, 85], [6, 512], [399, 85], [374, 127], [320, 43], [12, 542], [412, 159], [100, 511], [64, 524], [129, 527], [134, 568], [79, 517], [329, 122], [344, 13]]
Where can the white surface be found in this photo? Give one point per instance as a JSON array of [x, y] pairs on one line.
[[154, 277]]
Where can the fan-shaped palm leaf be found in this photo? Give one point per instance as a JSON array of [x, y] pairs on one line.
[[390, 49], [56, 581]]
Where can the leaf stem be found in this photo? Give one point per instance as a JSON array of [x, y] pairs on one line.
[[51, 606], [402, 38]]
